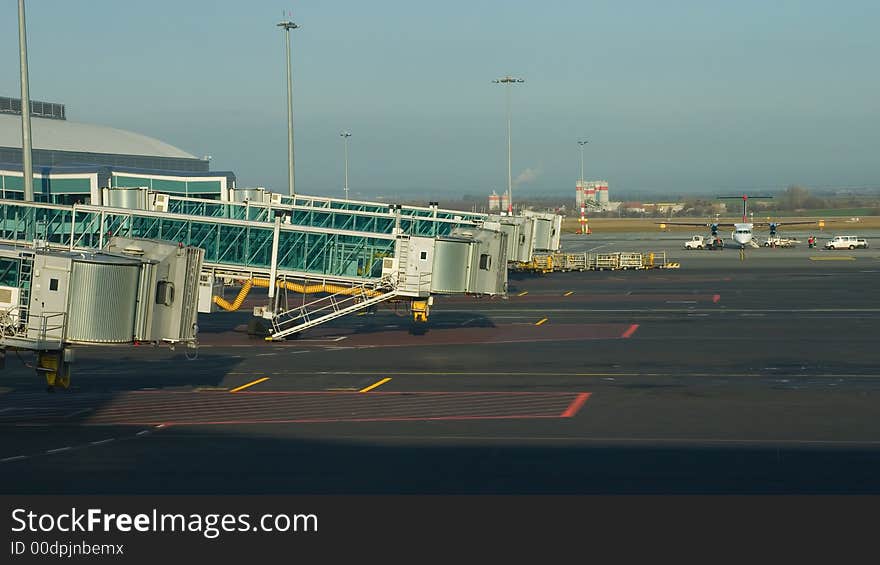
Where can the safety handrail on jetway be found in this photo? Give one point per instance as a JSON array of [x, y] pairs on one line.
[[231, 244], [324, 310], [34, 333], [375, 219]]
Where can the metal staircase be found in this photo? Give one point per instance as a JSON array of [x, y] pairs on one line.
[[329, 308], [402, 252], [25, 276]]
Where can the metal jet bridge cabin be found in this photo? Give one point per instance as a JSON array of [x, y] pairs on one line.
[[51, 300]]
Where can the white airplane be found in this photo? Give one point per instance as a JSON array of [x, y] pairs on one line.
[[742, 233]]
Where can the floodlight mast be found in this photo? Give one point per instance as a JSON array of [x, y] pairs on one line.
[[507, 81], [288, 25], [581, 144], [345, 135], [27, 164]]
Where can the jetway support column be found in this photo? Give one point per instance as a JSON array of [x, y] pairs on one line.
[[273, 269]]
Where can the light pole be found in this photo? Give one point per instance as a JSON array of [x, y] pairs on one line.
[[27, 166], [345, 135], [581, 144], [288, 25], [507, 81], [583, 196]]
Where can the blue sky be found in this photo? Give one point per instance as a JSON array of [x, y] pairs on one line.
[[674, 96]]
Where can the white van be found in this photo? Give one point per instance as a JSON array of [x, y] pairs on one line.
[[846, 242]]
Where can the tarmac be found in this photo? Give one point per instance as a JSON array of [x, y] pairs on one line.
[[732, 374]]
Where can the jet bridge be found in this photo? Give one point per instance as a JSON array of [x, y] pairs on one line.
[[51, 300], [259, 205], [529, 235], [356, 269]]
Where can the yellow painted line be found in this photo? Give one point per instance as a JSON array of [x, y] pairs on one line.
[[376, 384], [541, 321], [569, 293], [843, 258], [523, 293], [250, 384]]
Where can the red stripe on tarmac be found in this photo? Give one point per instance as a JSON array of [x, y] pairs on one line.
[[575, 405], [716, 298], [336, 420], [628, 333]]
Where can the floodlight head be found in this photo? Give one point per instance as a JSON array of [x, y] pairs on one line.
[[508, 79]]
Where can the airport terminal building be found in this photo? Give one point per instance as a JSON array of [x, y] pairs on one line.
[[73, 161]]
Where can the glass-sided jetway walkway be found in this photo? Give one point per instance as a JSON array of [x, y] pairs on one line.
[[326, 213], [232, 244], [365, 206]]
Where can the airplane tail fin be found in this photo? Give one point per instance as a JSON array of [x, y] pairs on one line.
[[745, 200]]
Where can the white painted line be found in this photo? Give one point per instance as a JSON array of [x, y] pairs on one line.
[[59, 450], [600, 246], [103, 441], [142, 433], [265, 354]]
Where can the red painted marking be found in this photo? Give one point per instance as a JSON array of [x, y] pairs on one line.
[[716, 298], [184, 408], [575, 405], [331, 420], [628, 333]]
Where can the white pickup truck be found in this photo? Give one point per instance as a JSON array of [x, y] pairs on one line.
[[701, 242], [846, 242]]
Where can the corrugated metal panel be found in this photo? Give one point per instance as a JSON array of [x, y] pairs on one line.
[[189, 308], [143, 330], [132, 198], [102, 300], [451, 262]]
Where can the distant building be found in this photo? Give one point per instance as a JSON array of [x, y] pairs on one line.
[[633, 207], [494, 202], [592, 191], [73, 161], [663, 208], [601, 187]]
